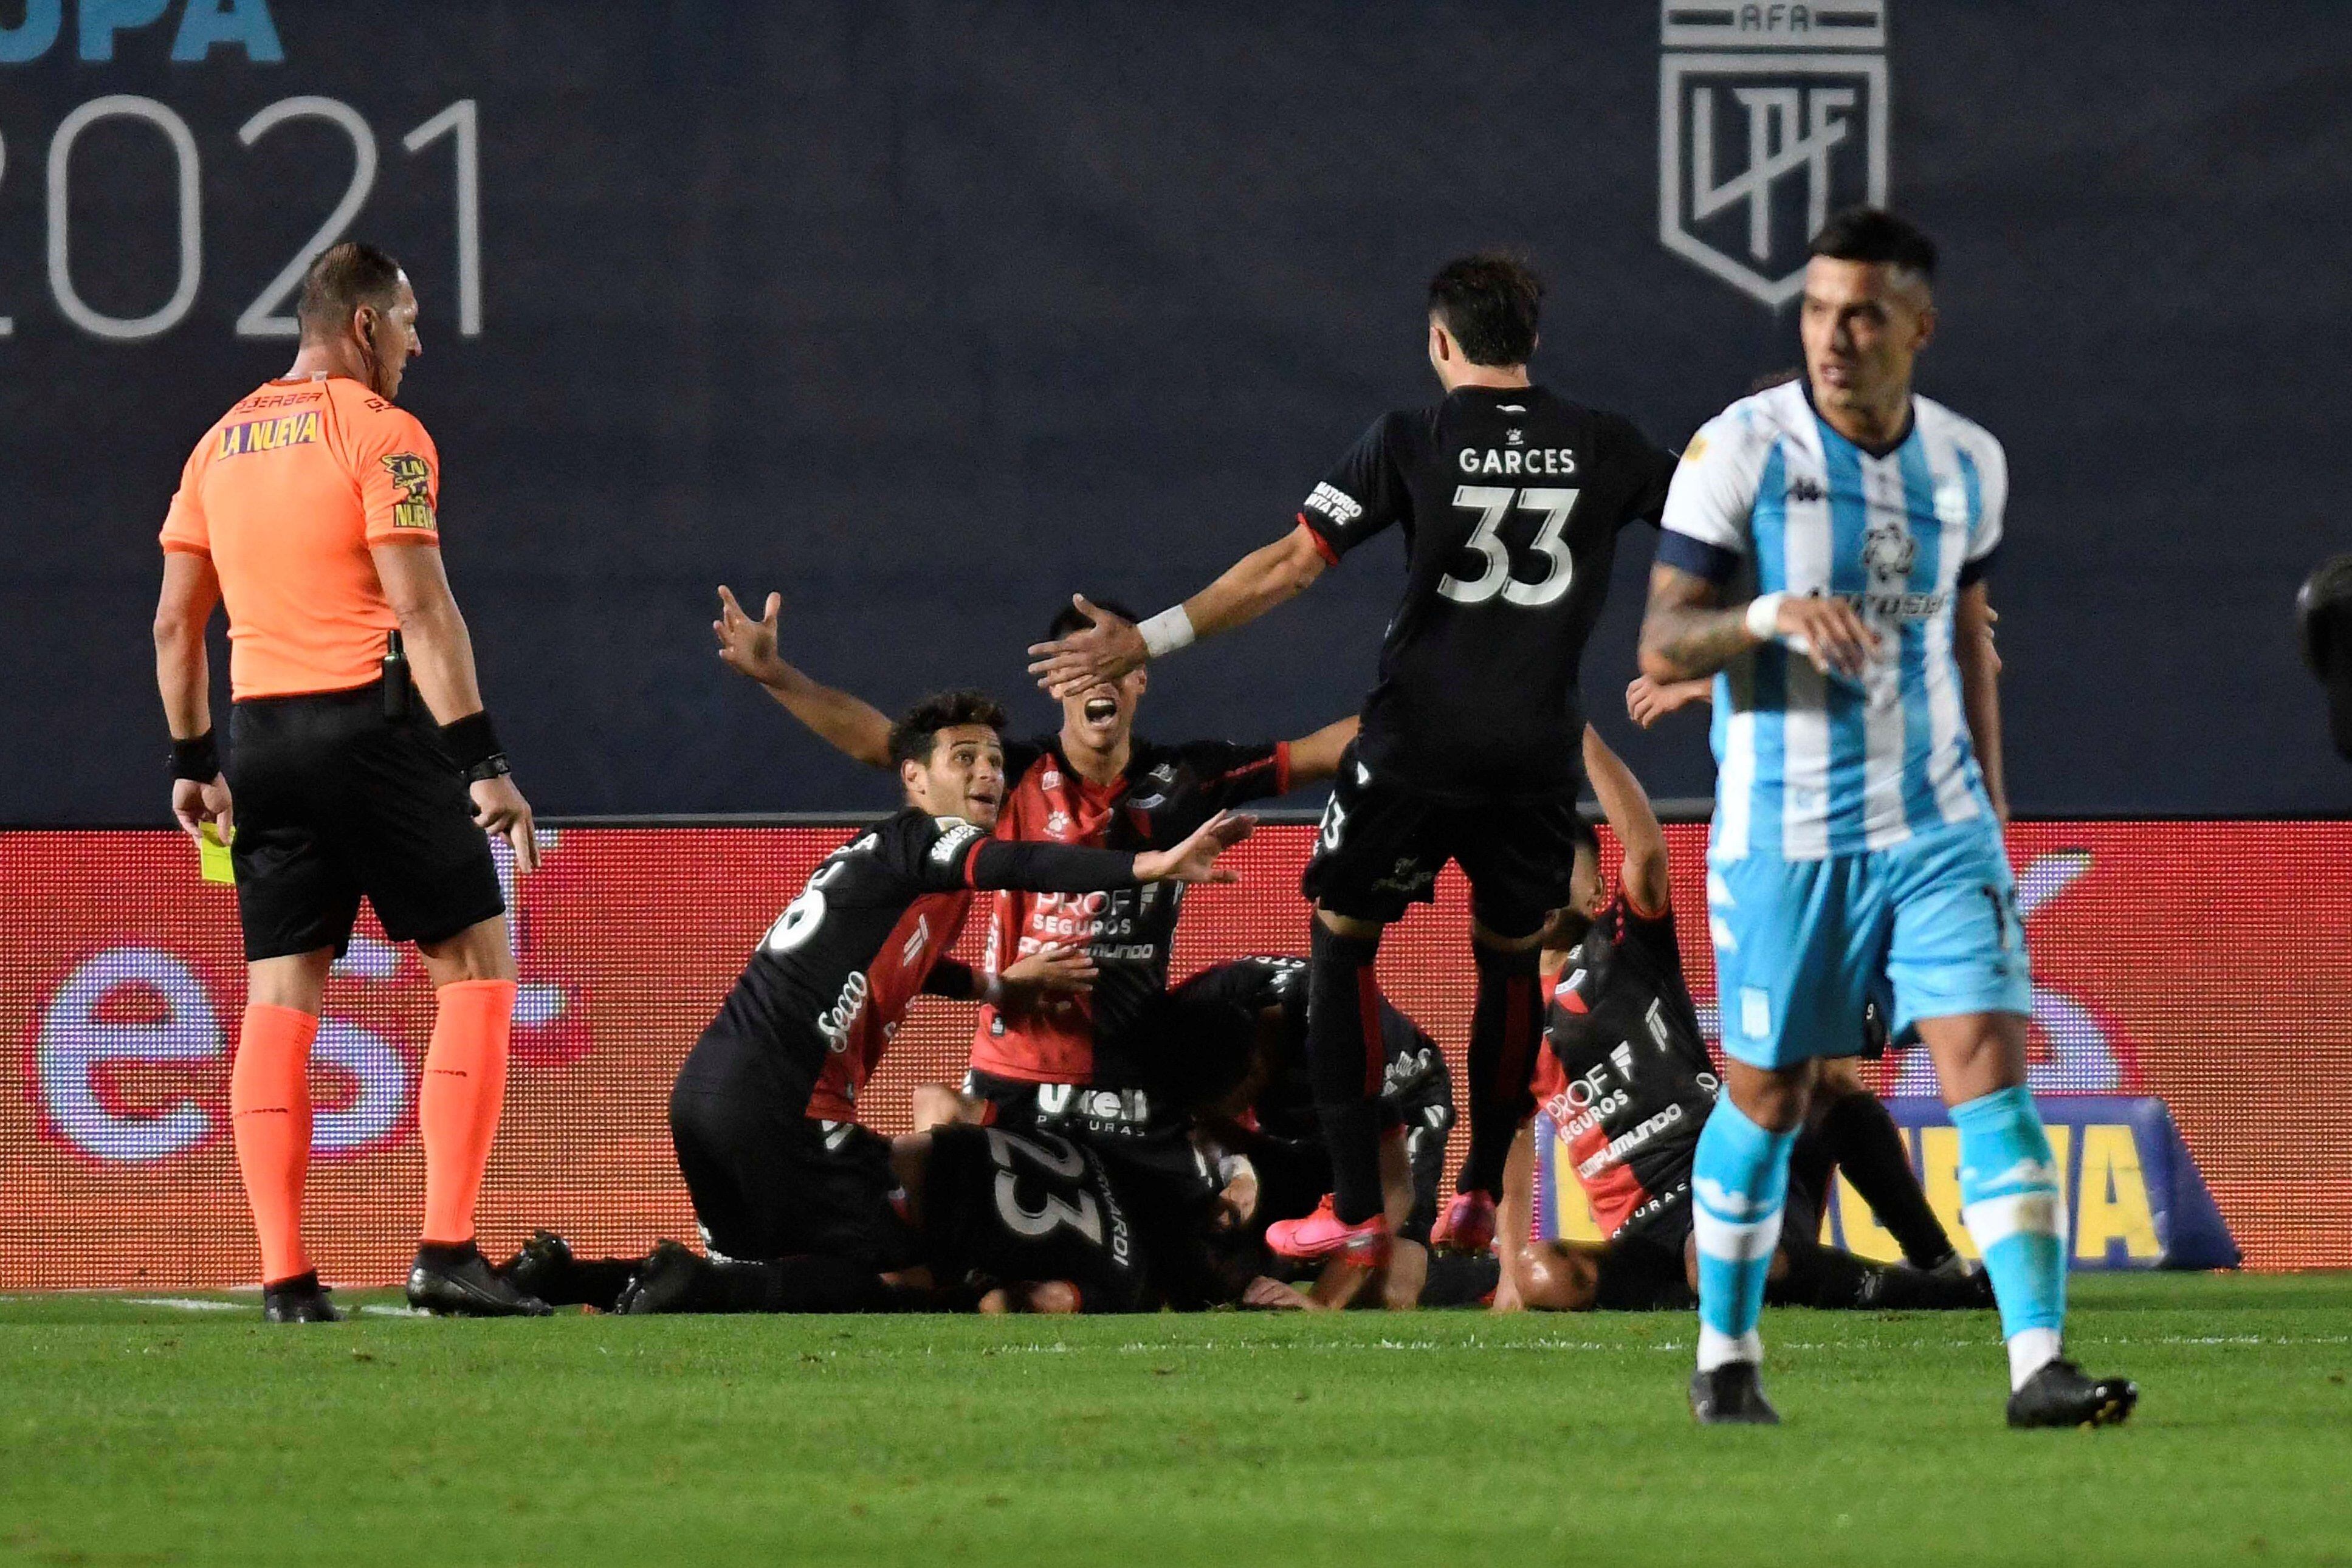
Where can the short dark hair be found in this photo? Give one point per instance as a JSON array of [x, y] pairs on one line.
[[1586, 836], [1070, 618], [1490, 302], [916, 732], [341, 279], [1873, 234]]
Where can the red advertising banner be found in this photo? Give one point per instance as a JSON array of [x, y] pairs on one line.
[[2208, 964]]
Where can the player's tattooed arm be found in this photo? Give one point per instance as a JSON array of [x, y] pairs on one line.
[[1113, 644], [850, 725], [1687, 633], [1980, 687], [1315, 757]]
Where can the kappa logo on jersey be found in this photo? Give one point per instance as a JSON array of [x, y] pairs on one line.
[[1804, 490], [1336, 504], [954, 834], [269, 435], [412, 474], [1770, 119]]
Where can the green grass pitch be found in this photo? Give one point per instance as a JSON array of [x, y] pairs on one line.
[[162, 1433]]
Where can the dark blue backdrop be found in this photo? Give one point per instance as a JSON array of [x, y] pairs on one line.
[[926, 314]]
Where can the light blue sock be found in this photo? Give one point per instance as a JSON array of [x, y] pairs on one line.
[[2013, 1199], [1739, 1179]]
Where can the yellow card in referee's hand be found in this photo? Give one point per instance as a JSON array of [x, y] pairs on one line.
[[212, 855]]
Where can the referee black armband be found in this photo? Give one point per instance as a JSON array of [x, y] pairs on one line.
[[198, 759], [473, 745]]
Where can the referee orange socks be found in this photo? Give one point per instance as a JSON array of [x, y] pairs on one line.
[[457, 1106], [269, 1109]]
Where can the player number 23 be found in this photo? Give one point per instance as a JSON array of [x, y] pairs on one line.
[[1494, 503], [1083, 1216]]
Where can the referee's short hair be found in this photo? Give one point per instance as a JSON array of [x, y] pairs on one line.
[[1490, 302], [916, 732], [341, 279], [1873, 234]]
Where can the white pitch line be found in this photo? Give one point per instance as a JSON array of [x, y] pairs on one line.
[[183, 1303]]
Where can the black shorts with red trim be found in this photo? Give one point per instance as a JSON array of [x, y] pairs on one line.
[[335, 802], [1383, 846]]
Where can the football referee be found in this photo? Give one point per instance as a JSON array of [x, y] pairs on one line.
[[309, 509]]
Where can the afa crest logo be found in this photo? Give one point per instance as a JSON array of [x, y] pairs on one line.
[[415, 477], [1770, 119]]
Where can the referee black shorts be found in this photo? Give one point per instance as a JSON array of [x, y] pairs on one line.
[[1383, 846], [335, 802]]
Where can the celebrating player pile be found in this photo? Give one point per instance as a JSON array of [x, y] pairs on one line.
[[1857, 830]]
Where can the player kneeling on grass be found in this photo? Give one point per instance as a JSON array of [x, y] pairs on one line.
[[1625, 1075], [763, 1115], [973, 1220]]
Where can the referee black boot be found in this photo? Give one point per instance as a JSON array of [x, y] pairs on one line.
[[301, 1300], [1731, 1396], [2061, 1396], [458, 1282]]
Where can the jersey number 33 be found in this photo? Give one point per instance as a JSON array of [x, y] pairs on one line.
[[1493, 505]]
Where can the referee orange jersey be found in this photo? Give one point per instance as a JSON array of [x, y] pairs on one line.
[[286, 494]]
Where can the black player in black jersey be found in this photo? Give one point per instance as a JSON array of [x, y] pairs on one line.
[[1511, 499], [1626, 1077], [762, 1114]]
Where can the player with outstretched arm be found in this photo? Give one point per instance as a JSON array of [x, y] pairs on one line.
[[1511, 499], [1825, 554]]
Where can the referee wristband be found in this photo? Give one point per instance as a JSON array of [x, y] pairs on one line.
[[198, 759], [1764, 616], [473, 745], [1166, 632]]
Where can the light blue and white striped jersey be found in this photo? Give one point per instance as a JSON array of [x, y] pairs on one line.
[[1769, 497]]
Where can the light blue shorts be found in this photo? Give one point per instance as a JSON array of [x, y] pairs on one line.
[[1800, 945]]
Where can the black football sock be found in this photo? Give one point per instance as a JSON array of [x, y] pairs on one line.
[[588, 1282], [1858, 1132], [1346, 1059], [796, 1285], [1504, 1027], [1825, 1278]]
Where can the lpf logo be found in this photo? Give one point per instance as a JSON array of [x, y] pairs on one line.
[[1770, 119]]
